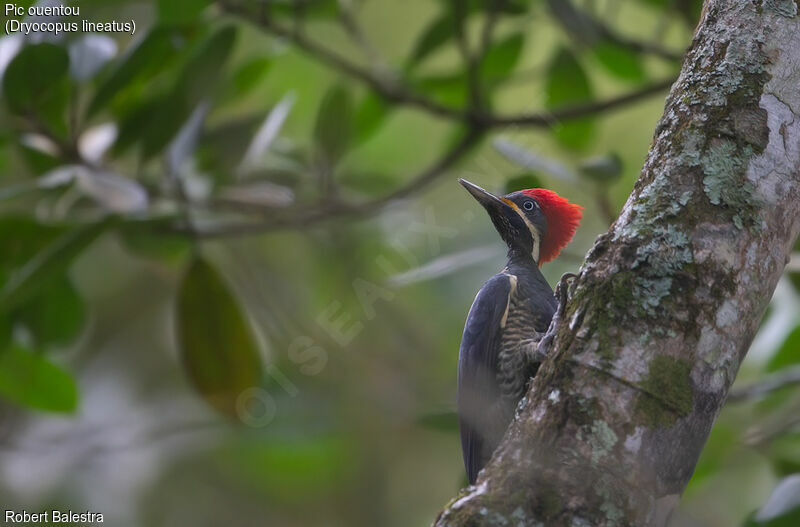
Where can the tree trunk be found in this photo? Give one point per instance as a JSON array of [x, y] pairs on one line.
[[668, 301]]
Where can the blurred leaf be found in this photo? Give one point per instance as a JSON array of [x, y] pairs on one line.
[[111, 191], [782, 508], [88, 55], [180, 11], [442, 421], [522, 182], [266, 134], [501, 58], [49, 264], [370, 115], [55, 317], [620, 61], [788, 354], [147, 58], [183, 145], [35, 83], [21, 237], [448, 89], [204, 69], [435, 36], [333, 129], [567, 84], [305, 9], [250, 73], [602, 169], [216, 344], [784, 453], [29, 379]]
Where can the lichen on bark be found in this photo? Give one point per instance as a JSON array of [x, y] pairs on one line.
[[668, 300]]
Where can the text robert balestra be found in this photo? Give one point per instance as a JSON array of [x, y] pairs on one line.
[[52, 516]]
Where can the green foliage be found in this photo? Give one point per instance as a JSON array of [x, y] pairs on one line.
[[35, 83], [180, 11], [523, 181], [620, 61], [501, 58], [217, 345], [334, 129], [29, 379], [788, 354], [48, 265], [603, 169], [567, 83]]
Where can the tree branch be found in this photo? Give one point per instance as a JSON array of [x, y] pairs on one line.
[[668, 301]]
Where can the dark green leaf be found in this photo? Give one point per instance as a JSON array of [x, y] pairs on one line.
[[501, 58], [180, 11], [36, 82], [435, 36], [567, 84], [55, 317], [217, 346], [204, 68], [148, 58], [620, 61], [250, 73], [29, 379], [447, 89], [788, 354], [603, 169], [333, 129], [32, 76], [522, 182], [49, 264], [370, 115]]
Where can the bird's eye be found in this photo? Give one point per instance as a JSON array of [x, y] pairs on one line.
[[528, 205]]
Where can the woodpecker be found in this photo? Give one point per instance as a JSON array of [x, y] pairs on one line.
[[510, 314]]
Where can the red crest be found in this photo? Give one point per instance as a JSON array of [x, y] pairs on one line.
[[563, 219]]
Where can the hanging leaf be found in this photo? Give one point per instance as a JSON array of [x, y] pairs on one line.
[[788, 354], [333, 129], [29, 379], [203, 71], [250, 74], [36, 83], [55, 317], [143, 61], [567, 84], [501, 58], [49, 264], [621, 61], [216, 344], [782, 508], [370, 115], [438, 33]]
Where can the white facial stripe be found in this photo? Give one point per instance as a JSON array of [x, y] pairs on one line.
[[531, 228]]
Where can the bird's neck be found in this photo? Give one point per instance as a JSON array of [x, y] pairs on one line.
[[520, 259]]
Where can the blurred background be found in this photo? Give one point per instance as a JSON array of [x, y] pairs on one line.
[[235, 261]]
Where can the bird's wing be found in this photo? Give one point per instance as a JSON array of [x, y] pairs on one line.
[[478, 391]]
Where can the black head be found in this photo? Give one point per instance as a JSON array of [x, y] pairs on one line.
[[517, 217]]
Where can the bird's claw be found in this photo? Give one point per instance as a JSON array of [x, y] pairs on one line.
[[562, 295]]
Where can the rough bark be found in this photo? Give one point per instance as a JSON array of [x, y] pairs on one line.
[[668, 301]]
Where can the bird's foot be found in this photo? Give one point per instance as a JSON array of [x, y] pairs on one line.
[[563, 290]]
